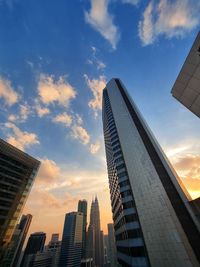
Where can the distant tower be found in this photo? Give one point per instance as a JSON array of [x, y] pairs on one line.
[[82, 207], [153, 219], [111, 249], [35, 244], [94, 233], [17, 173], [71, 246]]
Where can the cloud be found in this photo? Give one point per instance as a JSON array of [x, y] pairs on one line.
[[100, 19], [94, 60], [51, 91], [168, 18], [94, 148], [132, 2], [189, 166], [49, 171], [9, 95], [63, 118], [20, 139], [96, 86], [12, 117], [22, 116], [80, 133], [24, 112], [41, 111]]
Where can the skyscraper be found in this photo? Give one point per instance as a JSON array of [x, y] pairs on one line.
[[17, 241], [35, 244], [71, 246], [82, 207], [186, 89], [111, 250], [153, 221], [94, 234], [17, 173]]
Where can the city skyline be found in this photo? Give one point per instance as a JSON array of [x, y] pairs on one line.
[[51, 79]]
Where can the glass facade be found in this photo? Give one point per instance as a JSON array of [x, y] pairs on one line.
[[126, 221], [17, 173], [71, 246], [153, 221]]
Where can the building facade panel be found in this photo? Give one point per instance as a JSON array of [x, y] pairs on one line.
[[162, 229]]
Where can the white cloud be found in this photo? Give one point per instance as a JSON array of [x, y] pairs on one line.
[[96, 86], [21, 139], [80, 133], [94, 60], [51, 91], [63, 118], [100, 19], [94, 148], [9, 95], [168, 18]]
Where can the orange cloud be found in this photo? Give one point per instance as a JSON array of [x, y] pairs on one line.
[[188, 167], [51, 91], [7, 92], [96, 86], [63, 118], [21, 139]]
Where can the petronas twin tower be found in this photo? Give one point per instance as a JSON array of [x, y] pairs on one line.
[[94, 240]]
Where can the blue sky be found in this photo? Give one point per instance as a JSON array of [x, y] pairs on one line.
[[55, 59]]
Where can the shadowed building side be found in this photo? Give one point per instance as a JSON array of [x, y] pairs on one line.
[[17, 174]]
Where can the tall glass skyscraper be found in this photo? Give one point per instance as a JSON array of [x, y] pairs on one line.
[[14, 250], [17, 173], [153, 221], [35, 244], [71, 246], [82, 207]]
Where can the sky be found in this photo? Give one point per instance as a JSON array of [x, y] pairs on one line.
[[55, 59]]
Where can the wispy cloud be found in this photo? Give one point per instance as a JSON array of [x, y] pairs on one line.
[[63, 118], [80, 133], [20, 139], [94, 60], [132, 2], [186, 161], [168, 18], [22, 115], [8, 93], [102, 21], [96, 86], [55, 91], [41, 111], [94, 148]]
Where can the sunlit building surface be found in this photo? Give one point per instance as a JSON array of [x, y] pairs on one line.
[[17, 173], [71, 246], [14, 250], [187, 86], [153, 220]]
